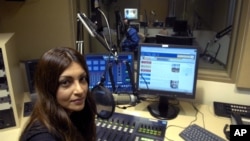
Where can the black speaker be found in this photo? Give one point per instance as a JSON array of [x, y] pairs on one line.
[[107, 2], [93, 5], [7, 118]]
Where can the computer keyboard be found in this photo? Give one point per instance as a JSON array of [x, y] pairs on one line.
[[196, 133], [226, 109]]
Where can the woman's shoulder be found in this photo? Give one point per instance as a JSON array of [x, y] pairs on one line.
[[37, 132]]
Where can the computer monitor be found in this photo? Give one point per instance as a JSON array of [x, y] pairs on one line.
[[131, 13], [119, 77], [180, 27], [29, 67], [169, 21], [175, 40], [167, 71]]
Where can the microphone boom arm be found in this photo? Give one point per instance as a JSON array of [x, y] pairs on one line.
[[88, 24], [105, 100]]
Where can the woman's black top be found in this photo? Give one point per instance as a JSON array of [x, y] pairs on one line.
[[37, 132]]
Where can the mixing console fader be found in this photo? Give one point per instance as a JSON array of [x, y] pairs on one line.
[[122, 127]]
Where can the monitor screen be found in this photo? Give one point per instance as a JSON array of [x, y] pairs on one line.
[[168, 71], [169, 21], [118, 73], [131, 13], [180, 27]]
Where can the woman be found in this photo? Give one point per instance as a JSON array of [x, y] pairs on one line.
[[65, 109]]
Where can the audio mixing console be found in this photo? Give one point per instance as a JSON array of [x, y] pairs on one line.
[[122, 127]]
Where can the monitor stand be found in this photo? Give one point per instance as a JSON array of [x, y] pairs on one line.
[[163, 110]]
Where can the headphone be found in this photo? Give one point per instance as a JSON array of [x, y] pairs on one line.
[[226, 131]]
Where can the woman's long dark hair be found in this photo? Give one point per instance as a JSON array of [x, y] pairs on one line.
[[48, 112]]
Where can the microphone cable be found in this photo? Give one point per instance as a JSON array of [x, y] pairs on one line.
[[105, 18], [145, 98], [130, 75], [111, 76], [103, 77]]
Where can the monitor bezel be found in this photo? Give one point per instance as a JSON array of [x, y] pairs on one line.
[[169, 94]]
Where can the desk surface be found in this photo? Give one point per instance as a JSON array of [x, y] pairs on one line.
[[212, 122]]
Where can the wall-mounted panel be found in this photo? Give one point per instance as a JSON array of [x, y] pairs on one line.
[[11, 83]]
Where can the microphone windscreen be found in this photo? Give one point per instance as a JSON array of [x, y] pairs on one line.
[[104, 101]]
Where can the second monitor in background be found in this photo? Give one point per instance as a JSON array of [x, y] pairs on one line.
[[175, 40], [131, 13], [169, 21], [180, 28]]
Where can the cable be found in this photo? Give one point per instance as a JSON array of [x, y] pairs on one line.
[[109, 45], [198, 111], [131, 77], [111, 77], [110, 38], [147, 97], [125, 107], [144, 81], [173, 126]]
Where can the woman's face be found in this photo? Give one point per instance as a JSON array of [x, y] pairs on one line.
[[73, 87]]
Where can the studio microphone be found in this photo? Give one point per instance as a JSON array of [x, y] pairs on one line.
[[124, 99], [106, 101], [223, 33]]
